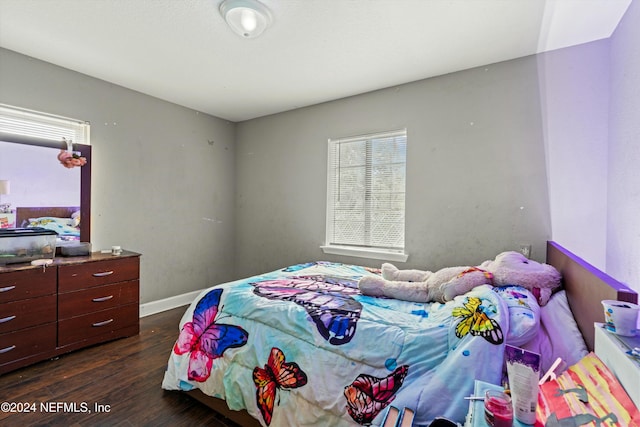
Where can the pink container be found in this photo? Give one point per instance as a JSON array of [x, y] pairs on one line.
[[498, 411]]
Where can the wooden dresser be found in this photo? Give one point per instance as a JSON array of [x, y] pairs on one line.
[[74, 303]]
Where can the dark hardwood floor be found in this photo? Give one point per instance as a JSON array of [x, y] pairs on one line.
[[124, 376]]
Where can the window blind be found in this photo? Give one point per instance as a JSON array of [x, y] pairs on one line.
[[366, 191], [27, 124]]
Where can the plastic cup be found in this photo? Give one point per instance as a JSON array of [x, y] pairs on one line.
[[621, 317], [498, 411]]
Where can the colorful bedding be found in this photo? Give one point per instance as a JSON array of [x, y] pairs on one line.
[[301, 346], [66, 228]]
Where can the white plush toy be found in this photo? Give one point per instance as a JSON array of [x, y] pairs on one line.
[[508, 268]]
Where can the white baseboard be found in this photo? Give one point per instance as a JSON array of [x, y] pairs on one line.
[[153, 307]]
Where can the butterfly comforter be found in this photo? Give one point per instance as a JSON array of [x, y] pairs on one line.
[[301, 346]]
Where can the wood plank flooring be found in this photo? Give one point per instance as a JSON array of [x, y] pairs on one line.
[[124, 376]]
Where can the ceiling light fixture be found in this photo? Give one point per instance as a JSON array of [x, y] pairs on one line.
[[247, 18]]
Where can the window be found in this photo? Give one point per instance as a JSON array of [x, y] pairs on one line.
[[32, 126], [366, 196]]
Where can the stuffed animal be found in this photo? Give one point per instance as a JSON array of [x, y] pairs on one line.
[[508, 268], [70, 160]]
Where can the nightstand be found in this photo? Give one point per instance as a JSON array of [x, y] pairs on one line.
[[614, 351]]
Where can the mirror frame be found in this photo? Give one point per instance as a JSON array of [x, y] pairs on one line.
[[85, 175]]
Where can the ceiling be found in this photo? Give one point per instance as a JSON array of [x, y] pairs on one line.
[[315, 50]]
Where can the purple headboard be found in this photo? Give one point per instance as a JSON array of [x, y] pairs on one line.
[[586, 286]]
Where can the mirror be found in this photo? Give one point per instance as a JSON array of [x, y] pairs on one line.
[[37, 179]]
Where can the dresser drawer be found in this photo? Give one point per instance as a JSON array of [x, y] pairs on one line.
[[27, 313], [98, 323], [79, 276], [27, 342], [22, 284], [99, 298]]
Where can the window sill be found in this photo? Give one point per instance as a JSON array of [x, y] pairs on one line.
[[365, 253]]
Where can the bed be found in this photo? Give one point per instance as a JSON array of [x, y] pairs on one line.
[[64, 220], [301, 346]]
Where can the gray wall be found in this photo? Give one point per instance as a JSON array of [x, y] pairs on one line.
[[552, 153], [476, 181], [163, 175]]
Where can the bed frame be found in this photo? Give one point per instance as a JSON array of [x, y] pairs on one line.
[[585, 287], [24, 214]]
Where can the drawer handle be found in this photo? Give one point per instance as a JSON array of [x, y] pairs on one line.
[[7, 349], [7, 319], [106, 322], [7, 289], [103, 274], [102, 298]]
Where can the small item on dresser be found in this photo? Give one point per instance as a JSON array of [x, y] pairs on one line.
[[498, 411], [76, 249], [18, 245], [621, 317], [116, 250], [44, 263]]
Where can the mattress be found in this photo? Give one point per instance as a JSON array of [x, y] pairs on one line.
[[302, 346]]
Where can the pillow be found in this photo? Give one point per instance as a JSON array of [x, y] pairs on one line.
[[62, 226], [75, 219], [559, 334], [524, 314]]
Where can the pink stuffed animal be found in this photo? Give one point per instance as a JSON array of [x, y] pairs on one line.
[[508, 268], [70, 160]]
